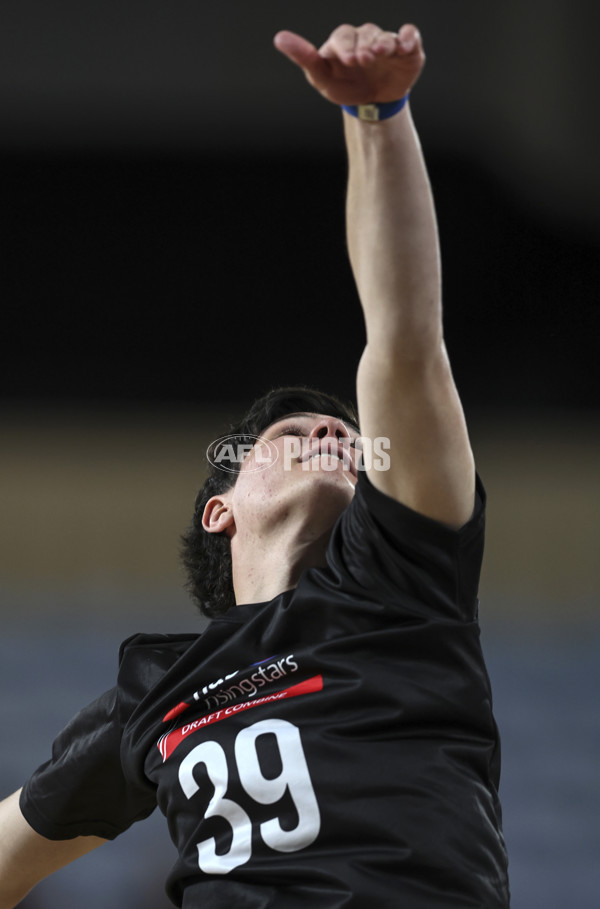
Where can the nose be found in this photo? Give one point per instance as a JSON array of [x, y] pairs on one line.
[[329, 426]]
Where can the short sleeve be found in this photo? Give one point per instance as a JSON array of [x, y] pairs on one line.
[[81, 790], [419, 565]]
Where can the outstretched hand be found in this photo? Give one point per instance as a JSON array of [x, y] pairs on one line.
[[358, 65]]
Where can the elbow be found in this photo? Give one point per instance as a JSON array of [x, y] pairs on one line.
[[411, 332], [411, 346]]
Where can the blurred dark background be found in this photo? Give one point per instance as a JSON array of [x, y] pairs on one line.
[[172, 198]]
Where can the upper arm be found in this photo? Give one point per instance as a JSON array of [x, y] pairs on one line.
[[414, 403], [26, 857]]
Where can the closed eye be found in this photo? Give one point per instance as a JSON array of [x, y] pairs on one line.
[[291, 431], [294, 430]]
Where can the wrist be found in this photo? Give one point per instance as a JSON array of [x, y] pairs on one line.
[[375, 112]]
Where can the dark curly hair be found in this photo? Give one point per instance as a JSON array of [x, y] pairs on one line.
[[206, 556]]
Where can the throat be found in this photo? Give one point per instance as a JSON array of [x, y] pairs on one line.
[[266, 571]]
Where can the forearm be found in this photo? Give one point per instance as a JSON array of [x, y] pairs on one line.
[[392, 235], [26, 857]]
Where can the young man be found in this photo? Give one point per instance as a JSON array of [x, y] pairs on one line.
[[329, 740]]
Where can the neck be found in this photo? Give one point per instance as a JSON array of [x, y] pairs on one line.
[[264, 567]]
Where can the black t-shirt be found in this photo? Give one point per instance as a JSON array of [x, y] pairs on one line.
[[334, 747]]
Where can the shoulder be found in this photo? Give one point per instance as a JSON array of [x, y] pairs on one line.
[[385, 550], [145, 658], [169, 646], [372, 508]]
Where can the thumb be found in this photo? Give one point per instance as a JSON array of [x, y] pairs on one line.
[[300, 51]]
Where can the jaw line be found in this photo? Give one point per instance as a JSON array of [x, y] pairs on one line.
[[349, 482]]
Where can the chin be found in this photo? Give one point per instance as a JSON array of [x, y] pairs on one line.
[[336, 478], [322, 509], [333, 492]]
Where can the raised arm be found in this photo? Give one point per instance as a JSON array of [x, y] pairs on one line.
[[26, 857], [405, 387]]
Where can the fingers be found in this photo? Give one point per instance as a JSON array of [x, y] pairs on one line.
[[372, 41], [409, 39], [363, 45], [341, 45], [385, 44]]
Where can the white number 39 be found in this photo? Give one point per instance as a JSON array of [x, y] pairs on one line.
[[294, 778]]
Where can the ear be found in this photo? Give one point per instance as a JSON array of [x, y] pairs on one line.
[[218, 515]]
